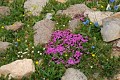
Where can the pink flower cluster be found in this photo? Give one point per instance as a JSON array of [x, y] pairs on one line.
[[79, 16], [65, 47]]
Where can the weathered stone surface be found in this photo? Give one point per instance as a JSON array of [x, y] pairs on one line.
[[116, 48], [34, 7], [48, 16], [15, 26], [97, 16], [115, 52], [62, 1], [4, 46], [111, 28], [117, 77], [73, 74], [43, 31], [74, 9], [73, 24], [4, 11], [18, 69], [118, 44]]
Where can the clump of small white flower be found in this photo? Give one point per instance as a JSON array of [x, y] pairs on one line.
[[91, 66], [21, 56], [18, 56], [25, 40], [24, 53], [19, 52], [26, 49], [32, 47], [43, 48], [63, 25], [32, 51], [40, 53]]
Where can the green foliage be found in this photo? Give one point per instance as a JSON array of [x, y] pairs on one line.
[[97, 61]]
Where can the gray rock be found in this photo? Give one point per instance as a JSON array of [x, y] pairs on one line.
[[48, 16], [97, 16], [117, 77], [74, 9], [116, 48], [4, 46], [118, 43], [111, 28], [43, 31], [115, 53], [73, 24], [4, 11], [18, 69], [73, 74], [34, 7], [15, 26]]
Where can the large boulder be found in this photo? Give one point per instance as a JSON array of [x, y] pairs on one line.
[[4, 46], [73, 74], [111, 28], [74, 9], [18, 69], [43, 31], [34, 7], [4, 11], [97, 16]]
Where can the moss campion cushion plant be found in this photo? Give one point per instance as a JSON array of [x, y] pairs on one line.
[[66, 47]]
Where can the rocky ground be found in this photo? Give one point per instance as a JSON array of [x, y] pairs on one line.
[[28, 26]]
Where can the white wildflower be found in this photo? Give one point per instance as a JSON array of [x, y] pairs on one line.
[[26, 49], [32, 52], [33, 47], [40, 53], [21, 56], [63, 25], [24, 53], [108, 7]]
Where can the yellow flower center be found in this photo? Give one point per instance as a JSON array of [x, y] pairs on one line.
[[90, 23], [2, 27], [18, 40], [102, 6], [37, 62], [93, 55]]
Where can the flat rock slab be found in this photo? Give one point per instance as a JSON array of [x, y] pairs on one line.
[[15, 26], [73, 74], [111, 28], [43, 31], [18, 69], [34, 7], [4, 46], [4, 11], [97, 16], [73, 10]]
